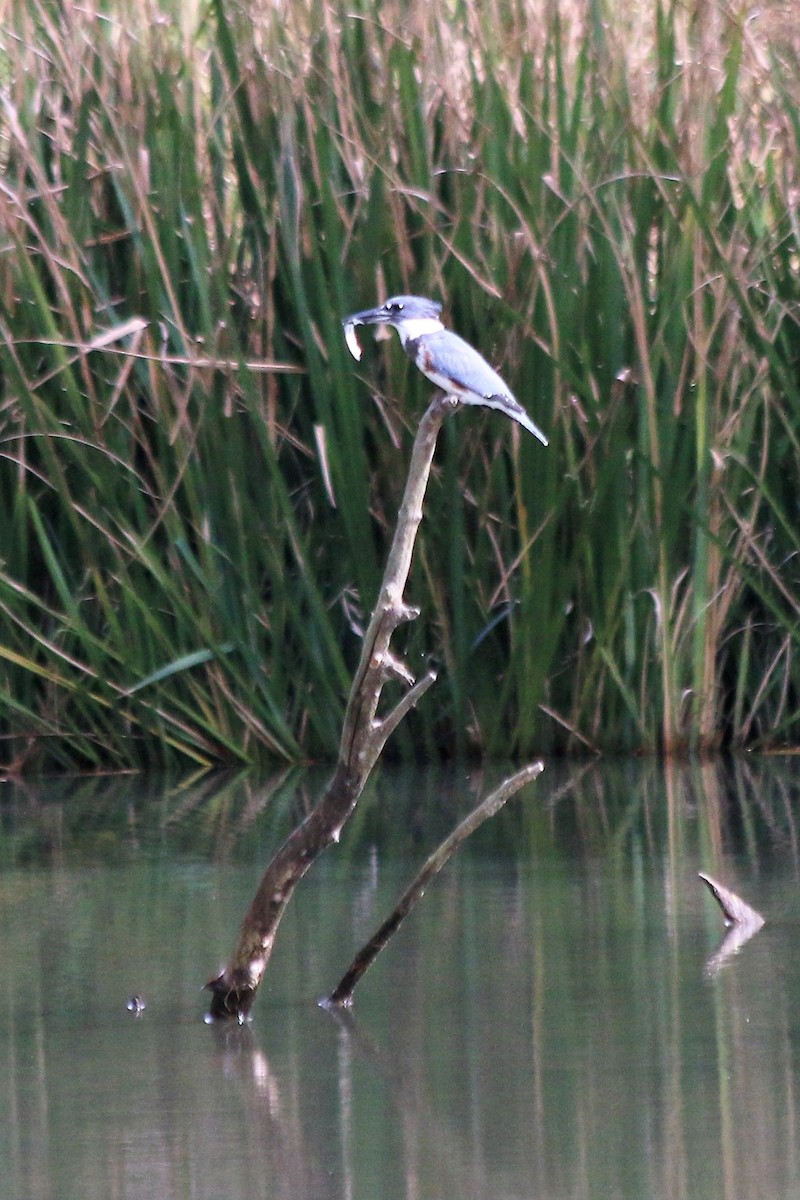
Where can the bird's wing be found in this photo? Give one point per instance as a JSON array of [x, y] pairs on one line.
[[462, 363], [455, 360]]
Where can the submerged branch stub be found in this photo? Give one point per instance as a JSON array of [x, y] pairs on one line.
[[735, 910], [364, 734], [741, 920], [231, 997]]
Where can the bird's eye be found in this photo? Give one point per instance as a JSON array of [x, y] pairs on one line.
[[395, 306]]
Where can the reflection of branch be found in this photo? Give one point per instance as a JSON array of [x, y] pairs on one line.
[[363, 737], [426, 1136], [282, 1146], [743, 922], [342, 995]]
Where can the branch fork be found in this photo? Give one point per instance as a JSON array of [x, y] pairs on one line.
[[364, 734]]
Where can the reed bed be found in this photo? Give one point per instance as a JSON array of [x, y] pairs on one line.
[[197, 484]]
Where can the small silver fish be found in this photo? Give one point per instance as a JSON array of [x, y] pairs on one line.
[[351, 340]]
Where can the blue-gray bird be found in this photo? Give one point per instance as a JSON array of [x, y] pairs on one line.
[[445, 358]]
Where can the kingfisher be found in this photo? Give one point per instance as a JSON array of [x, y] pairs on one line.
[[443, 357]]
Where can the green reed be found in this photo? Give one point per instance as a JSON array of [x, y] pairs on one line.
[[198, 484]]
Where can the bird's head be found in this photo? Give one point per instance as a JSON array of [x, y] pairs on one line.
[[411, 316], [396, 311]]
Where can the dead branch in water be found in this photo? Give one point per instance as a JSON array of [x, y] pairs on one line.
[[364, 735], [742, 921], [734, 909], [342, 995]]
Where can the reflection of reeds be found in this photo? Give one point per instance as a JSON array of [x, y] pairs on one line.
[[196, 489], [539, 1029]]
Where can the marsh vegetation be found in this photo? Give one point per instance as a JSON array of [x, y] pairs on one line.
[[197, 486]]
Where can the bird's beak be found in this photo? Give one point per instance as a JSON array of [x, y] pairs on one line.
[[369, 316]]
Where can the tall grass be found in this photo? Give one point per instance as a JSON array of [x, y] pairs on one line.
[[198, 485]]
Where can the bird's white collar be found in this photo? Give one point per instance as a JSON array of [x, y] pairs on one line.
[[414, 327]]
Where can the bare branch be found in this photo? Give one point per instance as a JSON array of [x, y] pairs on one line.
[[342, 995], [364, 735], [742, 920], [734, 909]]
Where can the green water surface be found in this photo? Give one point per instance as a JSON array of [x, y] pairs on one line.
[[553, 1020]]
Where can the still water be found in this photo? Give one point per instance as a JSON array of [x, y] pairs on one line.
[[553, 1020]]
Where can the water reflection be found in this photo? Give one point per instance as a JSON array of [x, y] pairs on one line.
[[543, 1025]]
